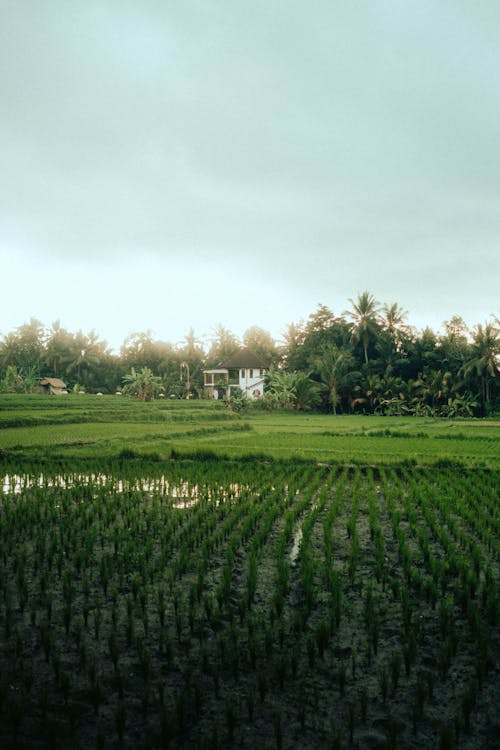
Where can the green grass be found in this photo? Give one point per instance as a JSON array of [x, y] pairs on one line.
[[89, 426]]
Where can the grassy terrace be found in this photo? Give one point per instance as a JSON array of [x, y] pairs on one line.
[[89, 427]]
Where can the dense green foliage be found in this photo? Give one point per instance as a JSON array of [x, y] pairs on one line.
[[242, 605], [366, 360]]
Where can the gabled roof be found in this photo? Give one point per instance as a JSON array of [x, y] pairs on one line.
[[54, 382], [243, 358]]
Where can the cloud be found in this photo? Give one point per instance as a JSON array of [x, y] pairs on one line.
[[333, 147]]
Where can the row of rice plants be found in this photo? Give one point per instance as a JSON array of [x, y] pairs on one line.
[[237, 605]]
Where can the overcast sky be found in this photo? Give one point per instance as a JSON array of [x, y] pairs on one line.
[[176, 163]]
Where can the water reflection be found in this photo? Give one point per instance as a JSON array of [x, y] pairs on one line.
[[297, 539], [187, 494]]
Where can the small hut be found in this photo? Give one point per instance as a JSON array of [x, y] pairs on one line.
[[52, 385]]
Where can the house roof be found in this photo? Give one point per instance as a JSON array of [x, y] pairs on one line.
[[54, 382], [243, 358]]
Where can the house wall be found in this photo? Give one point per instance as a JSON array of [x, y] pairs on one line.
[[251, 382]]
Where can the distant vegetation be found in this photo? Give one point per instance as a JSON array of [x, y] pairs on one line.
[[365, 360]]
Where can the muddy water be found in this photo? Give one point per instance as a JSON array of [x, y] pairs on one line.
[[297, 539]]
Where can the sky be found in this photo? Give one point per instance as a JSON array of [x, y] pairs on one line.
[[168, 164]]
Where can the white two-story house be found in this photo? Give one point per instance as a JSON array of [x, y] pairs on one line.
[[244, 370]]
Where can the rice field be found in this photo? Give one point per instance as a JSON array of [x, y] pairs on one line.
[[229, 604], [185, 577], [81, 427]]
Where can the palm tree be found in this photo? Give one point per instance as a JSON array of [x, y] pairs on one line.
[[224, 344], [485, 359], [393, 319], [335, 368], [58, 349], [364, 327], [9, 350]]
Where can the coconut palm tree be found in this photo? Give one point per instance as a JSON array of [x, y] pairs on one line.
[[8, 351], [364, 317], [58, 349], [484, 362], [393, 319]]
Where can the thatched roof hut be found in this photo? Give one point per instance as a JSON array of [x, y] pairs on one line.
[[52, 385]]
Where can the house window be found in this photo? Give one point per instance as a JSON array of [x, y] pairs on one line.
[[243, 374], [250, 374]]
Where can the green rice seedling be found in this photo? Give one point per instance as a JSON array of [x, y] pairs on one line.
[[351, 720], [281, 669], [342, 677], [181, 709], [278, 729], [216, 677], [394, 727], [231, 715], [445, 614], [251, 583], [420, 694], [262, 684], [294, 660], [118, 682], [311, 650], [65, 684], [250, 702], [48, 603], [120, 716], [395, 669], [446, 740], [322, 635], [67, 615], [145, 699], [113, 648], [444, 659], [145, 621], [85, 610], [363, 702], [16, 708], [46, 639], [97, 622], [144, 658], [96, 693], [467, 703], [160, 605], [383, 681], [406, 609]]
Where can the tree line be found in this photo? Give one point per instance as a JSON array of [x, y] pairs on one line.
[[365, 360]]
